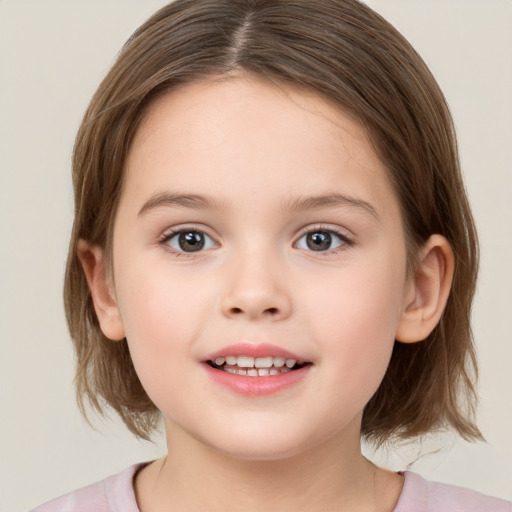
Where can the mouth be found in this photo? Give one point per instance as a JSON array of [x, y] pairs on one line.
[[256, 366], [256, 369]]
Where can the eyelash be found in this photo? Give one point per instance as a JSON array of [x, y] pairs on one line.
[[345, 240], [174, 233]]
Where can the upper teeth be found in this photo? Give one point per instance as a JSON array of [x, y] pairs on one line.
[[255, 362]]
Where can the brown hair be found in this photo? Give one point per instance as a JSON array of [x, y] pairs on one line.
[[347, 53]]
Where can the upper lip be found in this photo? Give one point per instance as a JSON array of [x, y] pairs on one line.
[[254, 350]]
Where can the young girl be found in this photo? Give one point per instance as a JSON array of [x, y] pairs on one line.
[[273, 252]]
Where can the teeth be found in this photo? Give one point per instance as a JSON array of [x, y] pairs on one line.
[[255, 367], [258, 362], [279, 361], [264, 362], [255, 372], [246, 362]]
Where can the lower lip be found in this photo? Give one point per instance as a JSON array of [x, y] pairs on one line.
[[257, 386]]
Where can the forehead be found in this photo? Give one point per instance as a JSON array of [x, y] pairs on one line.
[[220, 135]]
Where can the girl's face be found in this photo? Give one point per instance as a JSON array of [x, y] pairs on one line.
[[257, 226]]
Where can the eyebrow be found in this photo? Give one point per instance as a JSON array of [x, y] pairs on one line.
[[325, 201], [163, 199], [301, 203]]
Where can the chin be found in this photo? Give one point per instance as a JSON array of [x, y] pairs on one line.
[[266, 453], [259, 444]]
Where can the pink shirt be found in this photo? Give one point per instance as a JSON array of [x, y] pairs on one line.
[[115, 494]]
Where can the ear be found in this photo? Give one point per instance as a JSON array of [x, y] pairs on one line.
[[427, 291], [102, 289]]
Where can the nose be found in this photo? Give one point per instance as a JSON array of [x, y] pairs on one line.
[[256, 290]]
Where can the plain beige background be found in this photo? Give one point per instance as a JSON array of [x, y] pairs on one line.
[[52, 56]]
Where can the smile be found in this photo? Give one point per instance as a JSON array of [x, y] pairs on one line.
[[255, 366], [256, 369]]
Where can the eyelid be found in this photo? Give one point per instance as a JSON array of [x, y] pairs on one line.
[[174, 231], [190, 225], [341, 233]]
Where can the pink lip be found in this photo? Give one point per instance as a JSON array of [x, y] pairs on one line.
[[253, 350], [255, 386]]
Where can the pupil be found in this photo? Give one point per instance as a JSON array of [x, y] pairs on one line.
[[191, 241], [319, 241]]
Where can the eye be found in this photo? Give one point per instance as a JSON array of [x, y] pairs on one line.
[[189, 240], [321, 240]]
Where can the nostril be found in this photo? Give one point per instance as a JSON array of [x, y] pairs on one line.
[[270, 311]]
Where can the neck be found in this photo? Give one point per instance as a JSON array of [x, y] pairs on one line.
[[333, 476]]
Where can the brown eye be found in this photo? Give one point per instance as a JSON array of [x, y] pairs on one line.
[[321, 240], [190, 241]]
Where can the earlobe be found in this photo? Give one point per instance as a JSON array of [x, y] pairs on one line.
[[102, 290], [427, 292]]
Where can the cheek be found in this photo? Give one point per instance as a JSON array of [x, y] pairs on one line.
[[162, 319], [361, 300], [358, 347], [355, 322]]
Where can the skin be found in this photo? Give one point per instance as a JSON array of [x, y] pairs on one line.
[[257, 151]]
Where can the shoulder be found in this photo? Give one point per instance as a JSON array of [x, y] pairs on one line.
[[420, 495], [114, 494]]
